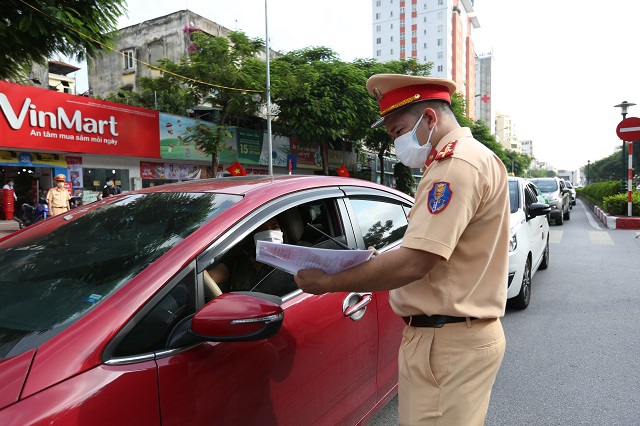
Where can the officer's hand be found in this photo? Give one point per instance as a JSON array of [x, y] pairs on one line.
[[311, 280], [375, 251]]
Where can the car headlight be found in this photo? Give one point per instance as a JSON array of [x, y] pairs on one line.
[[513, 243]]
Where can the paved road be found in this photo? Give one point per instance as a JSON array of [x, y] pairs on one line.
[[573, 355]]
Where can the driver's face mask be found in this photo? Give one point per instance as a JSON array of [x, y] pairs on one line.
[[269, 236]]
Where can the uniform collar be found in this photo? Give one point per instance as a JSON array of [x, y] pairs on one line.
[[456, 134]]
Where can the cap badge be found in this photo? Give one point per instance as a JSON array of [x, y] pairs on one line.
[[377, 94]]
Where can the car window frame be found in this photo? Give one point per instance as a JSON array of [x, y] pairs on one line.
[[223, 244], [108, 356]]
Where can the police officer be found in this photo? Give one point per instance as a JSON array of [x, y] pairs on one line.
[[449, 277], [58, 197]]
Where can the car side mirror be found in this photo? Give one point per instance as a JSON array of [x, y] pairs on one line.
[[238, 317], [538, 209]]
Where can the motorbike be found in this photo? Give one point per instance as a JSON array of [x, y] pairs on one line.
[[32, 214]]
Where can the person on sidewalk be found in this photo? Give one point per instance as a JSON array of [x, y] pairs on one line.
[[110, 188], [9, 185], [58, 197], [448, 279]]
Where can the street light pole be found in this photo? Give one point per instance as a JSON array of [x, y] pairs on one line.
[[588, 175], [269, 136], [624, 107]]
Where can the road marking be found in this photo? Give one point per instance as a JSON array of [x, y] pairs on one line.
[[555, 237], [589, 215], [600, 238]]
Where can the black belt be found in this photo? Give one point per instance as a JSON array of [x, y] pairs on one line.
[[435, 321]]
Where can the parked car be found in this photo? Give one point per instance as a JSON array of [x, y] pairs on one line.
[[557, 194], [105, 320], [529, 243], [572, 192]]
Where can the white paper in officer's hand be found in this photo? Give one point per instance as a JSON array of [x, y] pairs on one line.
[[291, 258]]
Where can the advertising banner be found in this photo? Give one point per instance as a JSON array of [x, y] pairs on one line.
[[179, 138], [41, 119], [28, 159], [309, 157], [74, 164], [151, 170], [249, 146]]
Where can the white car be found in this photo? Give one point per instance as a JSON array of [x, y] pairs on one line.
[[529, 242]]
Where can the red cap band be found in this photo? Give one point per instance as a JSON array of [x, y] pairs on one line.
[[402, 96]]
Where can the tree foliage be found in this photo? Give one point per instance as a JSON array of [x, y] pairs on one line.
[[71, 28], [216, 70], [405, 181]]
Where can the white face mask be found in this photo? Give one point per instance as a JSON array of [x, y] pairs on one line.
[[269, 236], [408, 148]]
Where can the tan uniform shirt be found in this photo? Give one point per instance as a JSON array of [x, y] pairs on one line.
[[467, 225], [58, 200]]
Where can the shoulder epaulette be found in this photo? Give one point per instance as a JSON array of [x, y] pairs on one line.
[[447, 151]]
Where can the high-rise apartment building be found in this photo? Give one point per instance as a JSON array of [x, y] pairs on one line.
[[505, 132], [484, 105], [437, 31]]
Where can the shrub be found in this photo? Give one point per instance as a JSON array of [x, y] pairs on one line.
[[596, 192], [618, 205]]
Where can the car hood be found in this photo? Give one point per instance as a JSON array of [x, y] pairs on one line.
[[13, 373]]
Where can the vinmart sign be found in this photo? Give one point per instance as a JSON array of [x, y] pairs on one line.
[[39, 119]]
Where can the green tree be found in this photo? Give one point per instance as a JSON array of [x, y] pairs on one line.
[[405, 181], [322, 99], [159, 94], [32, 32], [221, 72]]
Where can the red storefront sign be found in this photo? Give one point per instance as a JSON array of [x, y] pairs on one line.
[[39, 119]]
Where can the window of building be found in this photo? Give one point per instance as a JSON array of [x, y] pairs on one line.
[[402, 49], [414, 46], [439, 42], [391, 14], [377, 16], [378, 3], [378, 52], [402, 10], [440, 55], [391, 26], [402, 23], [440, 2], [413, 7], [440, 28], [402, 36], [424, 46], [425, 58], [378, 40], [391, 52], [391, 39], [440, 68], [425, 6], [129, 62], [424, 19], [414, 33]]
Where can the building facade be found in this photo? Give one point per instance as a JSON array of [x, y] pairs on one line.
[[436, 31], [484, 77], [144, 44], [505, 132]]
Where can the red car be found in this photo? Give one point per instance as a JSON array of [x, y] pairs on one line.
[[105, 318]]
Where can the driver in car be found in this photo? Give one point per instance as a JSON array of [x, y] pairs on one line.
[[239, 270]]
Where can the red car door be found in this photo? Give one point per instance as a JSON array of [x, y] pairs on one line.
[[320, 369]]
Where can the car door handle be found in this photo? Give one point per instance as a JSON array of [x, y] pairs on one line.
[[354, 305]]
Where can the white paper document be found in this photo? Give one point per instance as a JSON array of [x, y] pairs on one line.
[[293, 258]]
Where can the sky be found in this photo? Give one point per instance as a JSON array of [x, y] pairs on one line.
[[559, 69]]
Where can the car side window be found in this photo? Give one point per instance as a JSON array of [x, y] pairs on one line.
[[530, 196], [151, 333], [380, 222]]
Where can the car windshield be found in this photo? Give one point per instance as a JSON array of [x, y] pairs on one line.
[[546, 185], [48, 281], [513, 195]]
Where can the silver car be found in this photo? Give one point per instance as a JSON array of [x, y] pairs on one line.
[[558, 196]]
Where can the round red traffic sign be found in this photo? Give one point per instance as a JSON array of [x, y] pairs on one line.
[[629, 129]]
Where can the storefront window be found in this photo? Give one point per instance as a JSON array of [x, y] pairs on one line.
[[95, 179]]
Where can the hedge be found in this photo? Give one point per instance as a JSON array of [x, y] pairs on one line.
[[608, 196]]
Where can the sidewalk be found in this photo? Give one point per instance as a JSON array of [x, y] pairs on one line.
[[8, 226]]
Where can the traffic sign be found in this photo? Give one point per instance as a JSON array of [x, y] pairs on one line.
[[629, 129]]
